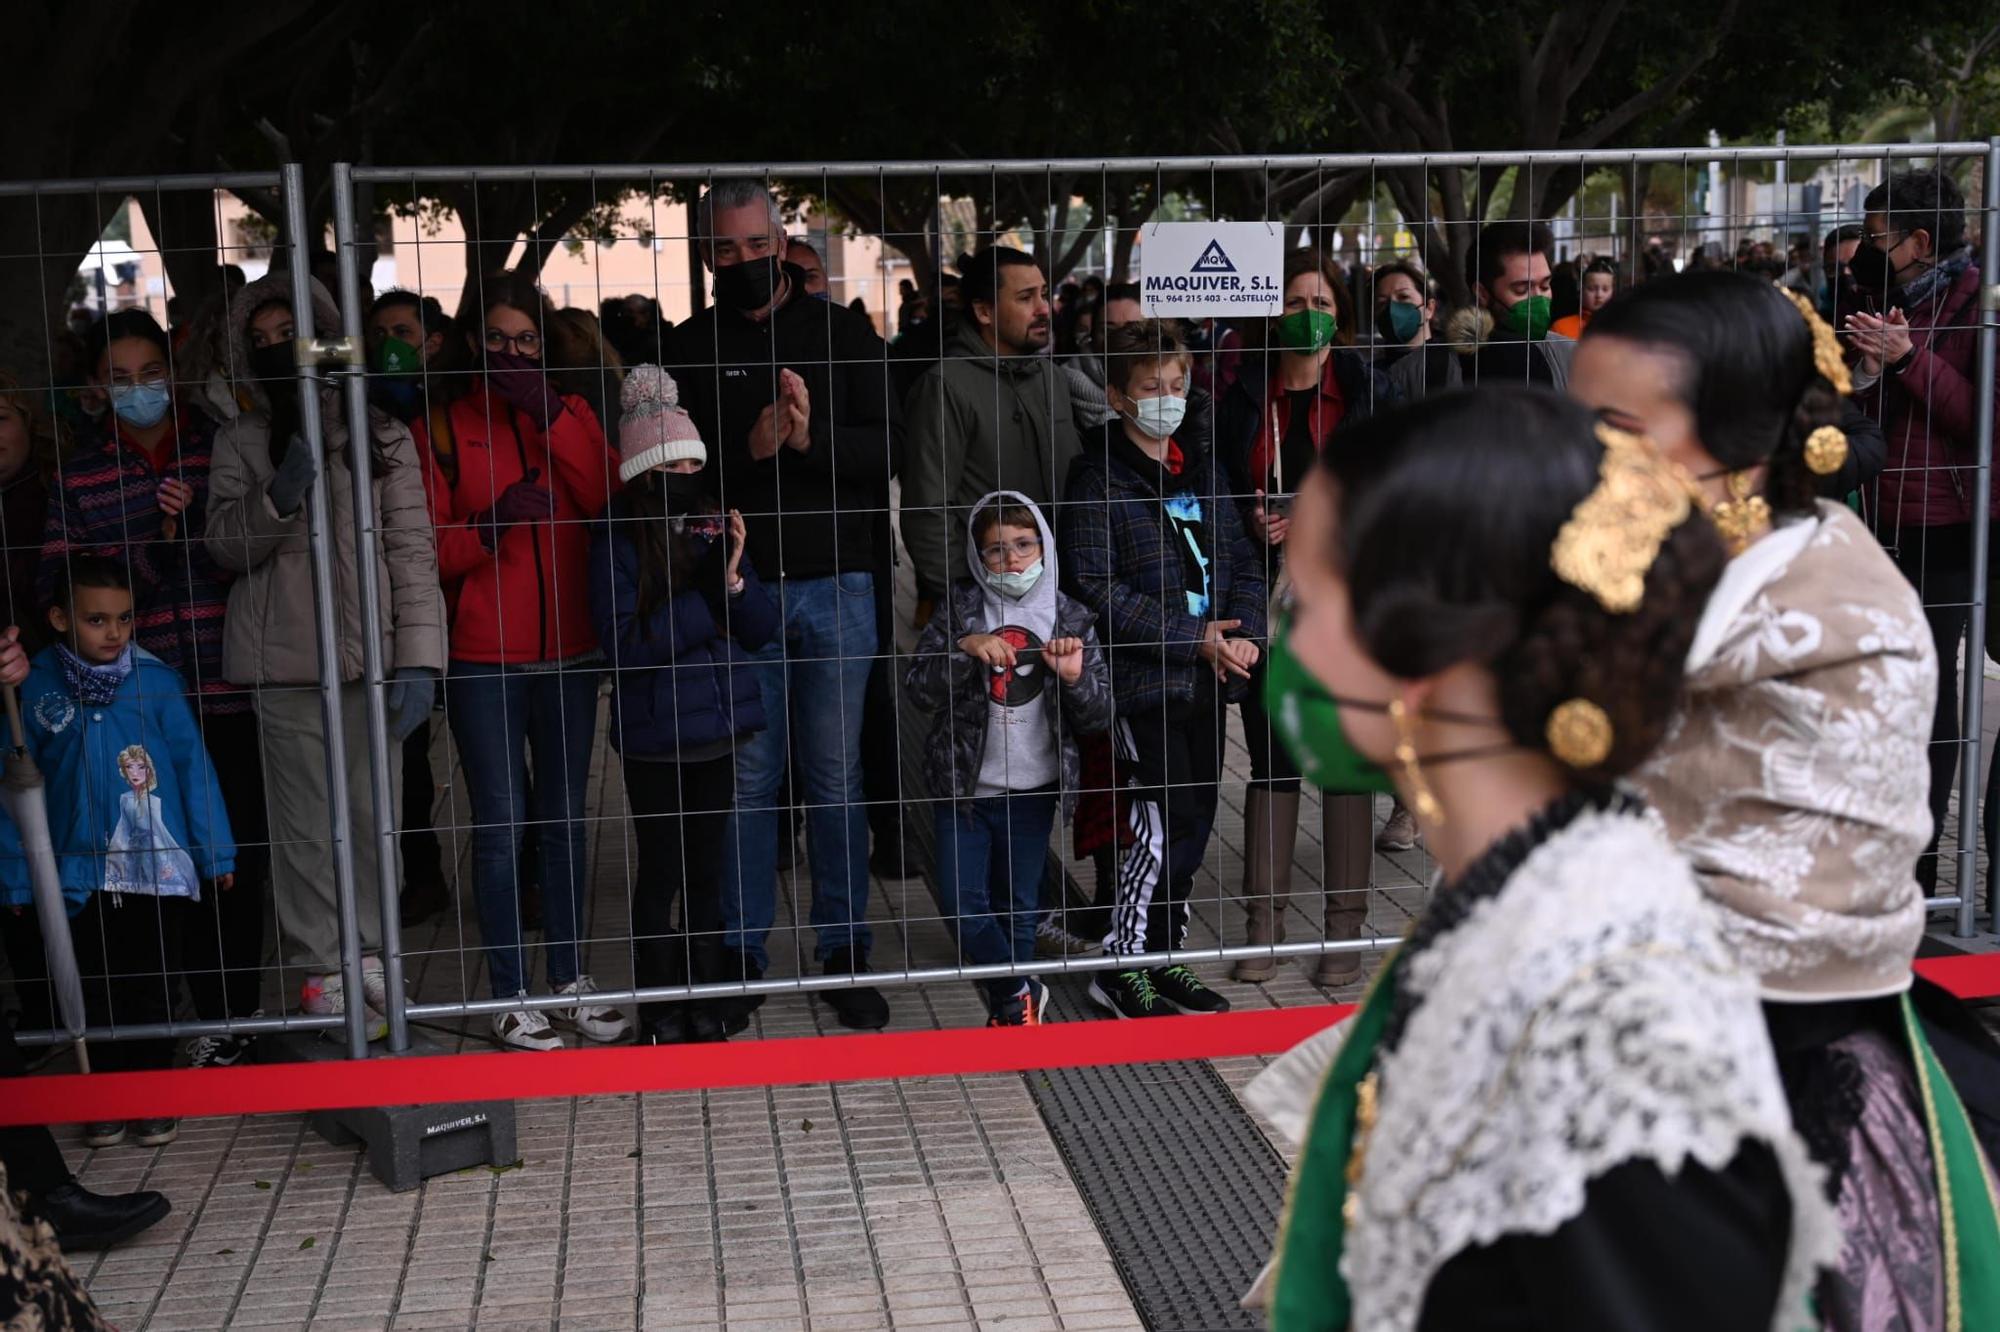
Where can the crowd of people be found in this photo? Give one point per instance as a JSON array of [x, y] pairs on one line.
[[1699, 667]]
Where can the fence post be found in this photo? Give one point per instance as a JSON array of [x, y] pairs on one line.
[[361, 462], [319, 519], [1969, 821]]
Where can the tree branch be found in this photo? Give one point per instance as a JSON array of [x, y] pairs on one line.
[[1651, 99]]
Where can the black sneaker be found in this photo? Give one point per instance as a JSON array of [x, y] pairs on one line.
[[1184, 990], [669, 1027], [1128, 994], [155, 1132], [858, 1007], [220, 1051], [1026, 1008], [104, 1132]]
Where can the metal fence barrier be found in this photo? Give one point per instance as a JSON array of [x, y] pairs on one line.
[[613, 230]]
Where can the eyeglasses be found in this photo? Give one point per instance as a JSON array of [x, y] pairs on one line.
[[997, 553], [524, 344], [1873, 236]]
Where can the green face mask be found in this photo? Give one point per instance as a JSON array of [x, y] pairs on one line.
[[396, 357], [1307, 720], [1529, 317], [1306, 330]]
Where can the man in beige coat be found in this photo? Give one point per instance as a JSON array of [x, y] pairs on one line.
[[261, 477]]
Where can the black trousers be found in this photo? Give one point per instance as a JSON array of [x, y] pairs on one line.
[[680, 814], [222, 940], [423, 854], [21, 937], [34, 1162], [1174, 755], [128, 949]]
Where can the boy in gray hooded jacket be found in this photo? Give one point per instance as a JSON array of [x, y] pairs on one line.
[[1016, 668]]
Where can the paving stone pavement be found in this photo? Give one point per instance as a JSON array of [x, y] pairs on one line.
[[930, 1203]]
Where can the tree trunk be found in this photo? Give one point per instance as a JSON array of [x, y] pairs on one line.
[[42, 240], [187, 231]]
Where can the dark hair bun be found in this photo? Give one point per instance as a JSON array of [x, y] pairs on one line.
[[1449, 512], [1748, 373]]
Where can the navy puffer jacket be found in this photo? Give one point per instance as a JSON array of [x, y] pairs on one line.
[[681, 676]]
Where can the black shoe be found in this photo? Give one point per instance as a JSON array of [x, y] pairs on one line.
[[219, 1051], [1184, 990], [1128, 994], [423, 898], [104, 1132], [859, 1007], [85, 1220], [155, 1132], [706, 1024], [668, 1028]]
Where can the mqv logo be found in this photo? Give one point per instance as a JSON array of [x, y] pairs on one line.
[[1212, 260]]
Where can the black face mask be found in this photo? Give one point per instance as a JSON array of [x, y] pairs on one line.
[[747, 286], [683, 492], [274, 365], [1870, 269]]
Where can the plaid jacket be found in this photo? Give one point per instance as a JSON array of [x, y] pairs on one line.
[[1118, 561], [106, 502]]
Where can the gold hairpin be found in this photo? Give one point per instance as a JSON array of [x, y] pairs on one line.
[[1615, 534], [1826, 450], [1827, 359], [1579, 734]]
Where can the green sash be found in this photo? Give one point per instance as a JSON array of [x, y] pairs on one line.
[[1965, 1193], [1307, 1290]]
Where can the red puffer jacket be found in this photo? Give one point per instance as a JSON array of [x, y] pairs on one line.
[[528, 599], [1930, 412]]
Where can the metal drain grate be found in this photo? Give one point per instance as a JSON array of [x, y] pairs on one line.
[[1182, 1185]]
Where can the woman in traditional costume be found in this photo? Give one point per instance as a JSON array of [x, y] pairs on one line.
[[1558, 1106], [1795, 780]]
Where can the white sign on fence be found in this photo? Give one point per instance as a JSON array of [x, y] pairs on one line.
[[1212, 270]]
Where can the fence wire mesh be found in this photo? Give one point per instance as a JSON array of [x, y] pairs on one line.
[[546, 757]]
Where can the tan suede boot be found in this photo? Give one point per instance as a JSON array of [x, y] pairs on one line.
[[1347, 828], [1270, 835]]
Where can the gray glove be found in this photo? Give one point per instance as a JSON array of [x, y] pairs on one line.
[[293, 479], [408, 700]]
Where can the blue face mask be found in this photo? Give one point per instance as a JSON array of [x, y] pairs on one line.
[[141, 405], [820, 295], [1016, 585]]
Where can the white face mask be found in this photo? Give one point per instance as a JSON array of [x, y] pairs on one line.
[[1159, 417]]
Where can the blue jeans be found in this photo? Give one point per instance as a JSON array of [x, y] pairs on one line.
[[990, 856], [495, 712], [821, 669]]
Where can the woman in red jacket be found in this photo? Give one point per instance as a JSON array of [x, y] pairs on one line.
[[519, 468]]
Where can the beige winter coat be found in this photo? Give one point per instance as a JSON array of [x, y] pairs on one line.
[[1796, 776], [271, 636]]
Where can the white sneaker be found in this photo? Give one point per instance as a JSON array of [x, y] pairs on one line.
[[326, 996], [525, 1029], [593, 1022], [375, 987]]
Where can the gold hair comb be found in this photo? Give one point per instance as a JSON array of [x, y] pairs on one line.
[[1615, 534], [1827, 359]]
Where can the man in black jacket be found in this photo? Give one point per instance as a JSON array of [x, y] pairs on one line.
[[791, 395]]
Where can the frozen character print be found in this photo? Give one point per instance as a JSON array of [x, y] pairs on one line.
[[143, 856]]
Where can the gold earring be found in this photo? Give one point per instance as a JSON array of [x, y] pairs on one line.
[[1743, 517], [1406, 754]]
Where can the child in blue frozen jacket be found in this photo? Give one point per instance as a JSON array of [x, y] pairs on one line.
[[135, 812]]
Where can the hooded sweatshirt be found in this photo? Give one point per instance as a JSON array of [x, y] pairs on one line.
[[1012, 730], [1020, 753]]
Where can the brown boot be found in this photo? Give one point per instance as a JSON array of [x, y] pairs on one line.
[[1346, 825], [1270, 835]]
